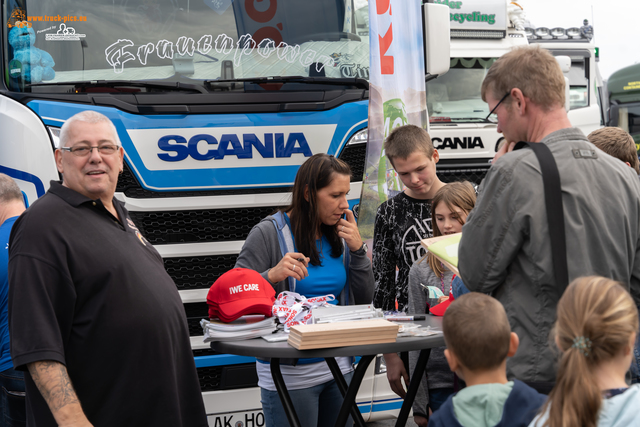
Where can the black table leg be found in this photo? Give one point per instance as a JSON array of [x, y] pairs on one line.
[[413, 387], [283, 393], [350, 398], [343, 387]]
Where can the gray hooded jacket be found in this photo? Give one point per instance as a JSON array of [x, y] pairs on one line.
[[261, 252]]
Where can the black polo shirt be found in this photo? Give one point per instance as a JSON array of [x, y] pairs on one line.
[[88, 291]]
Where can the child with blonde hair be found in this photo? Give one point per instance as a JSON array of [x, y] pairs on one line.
[[449, 210], [595, 331]]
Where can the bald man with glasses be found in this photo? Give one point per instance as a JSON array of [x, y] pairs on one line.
[[94, 317]]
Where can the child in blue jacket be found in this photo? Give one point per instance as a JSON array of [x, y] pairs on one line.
[[479, 340]]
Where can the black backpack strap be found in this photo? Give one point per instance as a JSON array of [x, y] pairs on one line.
[[555, 211]]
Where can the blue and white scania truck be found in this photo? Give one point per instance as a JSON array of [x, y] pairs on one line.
[[217, 103]]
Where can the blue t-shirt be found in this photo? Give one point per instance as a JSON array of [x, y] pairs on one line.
[[5, 354], [327, 278]]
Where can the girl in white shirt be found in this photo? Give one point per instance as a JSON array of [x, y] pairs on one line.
[[595, 331]]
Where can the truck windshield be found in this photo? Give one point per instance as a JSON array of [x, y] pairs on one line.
[[455, 96], [48, 44], [578, 83]]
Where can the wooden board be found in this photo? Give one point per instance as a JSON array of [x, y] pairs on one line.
[[345, 327], [343, 339], [356, 334], [340, 334], [326, 344]]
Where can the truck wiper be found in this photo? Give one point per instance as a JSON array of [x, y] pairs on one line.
[[134, 83], [362, 83], [470, 119]]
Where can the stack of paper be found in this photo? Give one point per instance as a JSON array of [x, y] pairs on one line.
[[445, 248], [340, 334], [341, 313], [244, 328]]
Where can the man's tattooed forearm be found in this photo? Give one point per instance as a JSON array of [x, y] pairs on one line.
[[54, 383]]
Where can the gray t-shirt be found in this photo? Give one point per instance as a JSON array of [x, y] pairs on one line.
[[438, 374]]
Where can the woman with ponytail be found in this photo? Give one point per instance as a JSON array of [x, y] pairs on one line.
[[595, 331]]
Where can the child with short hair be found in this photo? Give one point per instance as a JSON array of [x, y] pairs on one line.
[[449, 210], [479, 340], [618, 143], [595, 331], [401, 222]]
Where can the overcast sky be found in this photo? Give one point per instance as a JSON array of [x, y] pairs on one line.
[[615, 26]]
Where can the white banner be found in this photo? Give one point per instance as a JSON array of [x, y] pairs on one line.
[[396, 95]]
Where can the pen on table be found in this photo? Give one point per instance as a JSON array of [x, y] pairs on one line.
[[406, 318]]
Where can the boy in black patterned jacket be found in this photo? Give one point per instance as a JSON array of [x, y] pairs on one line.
[[401, 222]]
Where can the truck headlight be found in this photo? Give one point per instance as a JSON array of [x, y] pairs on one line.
[[542, 31], [360, 137], [573, 32]]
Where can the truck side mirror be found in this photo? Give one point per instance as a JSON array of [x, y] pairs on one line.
[[437, 41], [565, 66]]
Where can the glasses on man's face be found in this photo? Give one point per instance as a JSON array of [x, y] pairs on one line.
[[85, 150], [492, 117]]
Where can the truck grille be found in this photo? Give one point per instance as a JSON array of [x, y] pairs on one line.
[[196, 311], [198, 272], [229, 377], [225, 377], [355, 157], [129, 185], [197, 226], [474, 175]]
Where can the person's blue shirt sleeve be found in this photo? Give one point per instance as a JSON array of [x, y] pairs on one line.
[[458, 288]]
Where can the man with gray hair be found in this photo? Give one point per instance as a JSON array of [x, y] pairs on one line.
[[12, 410], [506, 248], [94, 317]]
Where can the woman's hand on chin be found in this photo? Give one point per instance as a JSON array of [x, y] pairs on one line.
[[348, 230]]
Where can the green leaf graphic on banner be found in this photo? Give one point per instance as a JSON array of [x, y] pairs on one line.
[[395, 115]]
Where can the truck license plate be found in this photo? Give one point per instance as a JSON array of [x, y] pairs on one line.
[[237, 419]]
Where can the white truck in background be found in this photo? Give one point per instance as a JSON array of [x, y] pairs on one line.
[[481, 32], [586, 88]]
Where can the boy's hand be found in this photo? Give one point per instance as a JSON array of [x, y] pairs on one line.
[[395, 373], [421, 421]]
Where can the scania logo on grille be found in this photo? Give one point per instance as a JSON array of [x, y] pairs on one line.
[[468, 142], [201, 147], [225, 156], [233, 149]]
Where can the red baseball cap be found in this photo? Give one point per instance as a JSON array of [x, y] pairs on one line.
[[239, 292], [438, 310]]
